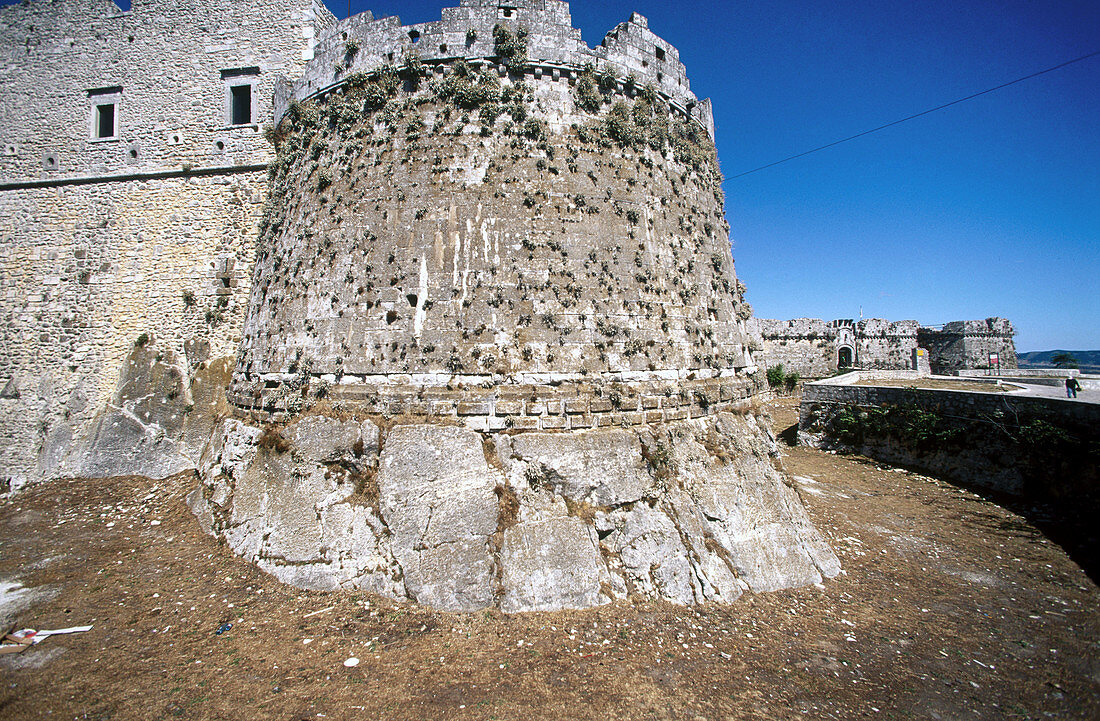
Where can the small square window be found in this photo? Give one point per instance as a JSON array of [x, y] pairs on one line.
[[105, 120], [660, 53], [240, 105]]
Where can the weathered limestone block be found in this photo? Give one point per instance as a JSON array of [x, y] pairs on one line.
[[321, 439], [603, 467], [550, 565], [119, 444], [437, 499], [359, 549], [654, 559], [139, 431], [752, 513], [293, 514]]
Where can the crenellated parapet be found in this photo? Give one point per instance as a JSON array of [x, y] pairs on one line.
[[554, 49]]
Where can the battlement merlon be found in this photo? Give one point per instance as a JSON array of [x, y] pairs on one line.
[[363, 44]]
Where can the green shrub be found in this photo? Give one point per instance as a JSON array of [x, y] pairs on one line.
[[920, 430], [468, 89], [776, 375], [622, 128], [608, 80], [588, 98], [510, 47]]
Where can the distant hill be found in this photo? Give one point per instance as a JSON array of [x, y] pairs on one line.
[[1087, 360]]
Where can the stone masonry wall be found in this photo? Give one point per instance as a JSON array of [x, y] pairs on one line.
[[528, 247], [86, 271], [466, 32], [506, 235], [967, 344], [804, 345], [1043, 447], [810, 346], [885, 344], [149, 231]]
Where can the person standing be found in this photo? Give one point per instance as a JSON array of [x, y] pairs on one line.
[[1072, 386]]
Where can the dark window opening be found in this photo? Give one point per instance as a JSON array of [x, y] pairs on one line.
[[507, 12], [105, 121], [443, 48], [391, 316], [660, 53], [414, 35], [411, 297], [660, 77], [240, 105]]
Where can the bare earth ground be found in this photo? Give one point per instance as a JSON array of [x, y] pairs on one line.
[[951, 607]]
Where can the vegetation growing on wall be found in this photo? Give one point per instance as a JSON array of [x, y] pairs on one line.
[[511, 47], [916, 428]]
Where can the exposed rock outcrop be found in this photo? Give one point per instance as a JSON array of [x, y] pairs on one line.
[[691, 512]]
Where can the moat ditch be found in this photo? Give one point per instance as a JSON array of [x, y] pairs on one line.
[[950, 606]]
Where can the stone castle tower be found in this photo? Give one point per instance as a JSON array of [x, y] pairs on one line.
[[495, 352], [503, 210], [489, 345]]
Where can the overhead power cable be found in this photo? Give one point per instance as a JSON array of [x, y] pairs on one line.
[[916, 115]]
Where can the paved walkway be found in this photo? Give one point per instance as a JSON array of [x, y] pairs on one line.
[[1083, 396]]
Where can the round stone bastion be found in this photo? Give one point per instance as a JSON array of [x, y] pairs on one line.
[[495, 353]]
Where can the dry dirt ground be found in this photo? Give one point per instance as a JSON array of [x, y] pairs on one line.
[[950, 607]]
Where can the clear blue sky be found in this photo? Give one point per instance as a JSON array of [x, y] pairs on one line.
[[990, 207]]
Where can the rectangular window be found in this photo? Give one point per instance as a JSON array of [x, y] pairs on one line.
[[105, 121], [240, 95], [240, 105]]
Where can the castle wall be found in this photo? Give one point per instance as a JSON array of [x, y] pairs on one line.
[[804, 345], [811, 347], [148, 227], [966, 344], [885, 344], [1041, 448], [85, 271], [150, 230]]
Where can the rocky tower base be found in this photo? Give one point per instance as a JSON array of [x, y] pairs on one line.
[[691, 511]]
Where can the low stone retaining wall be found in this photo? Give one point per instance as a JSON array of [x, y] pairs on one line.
[[1044, 448]]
